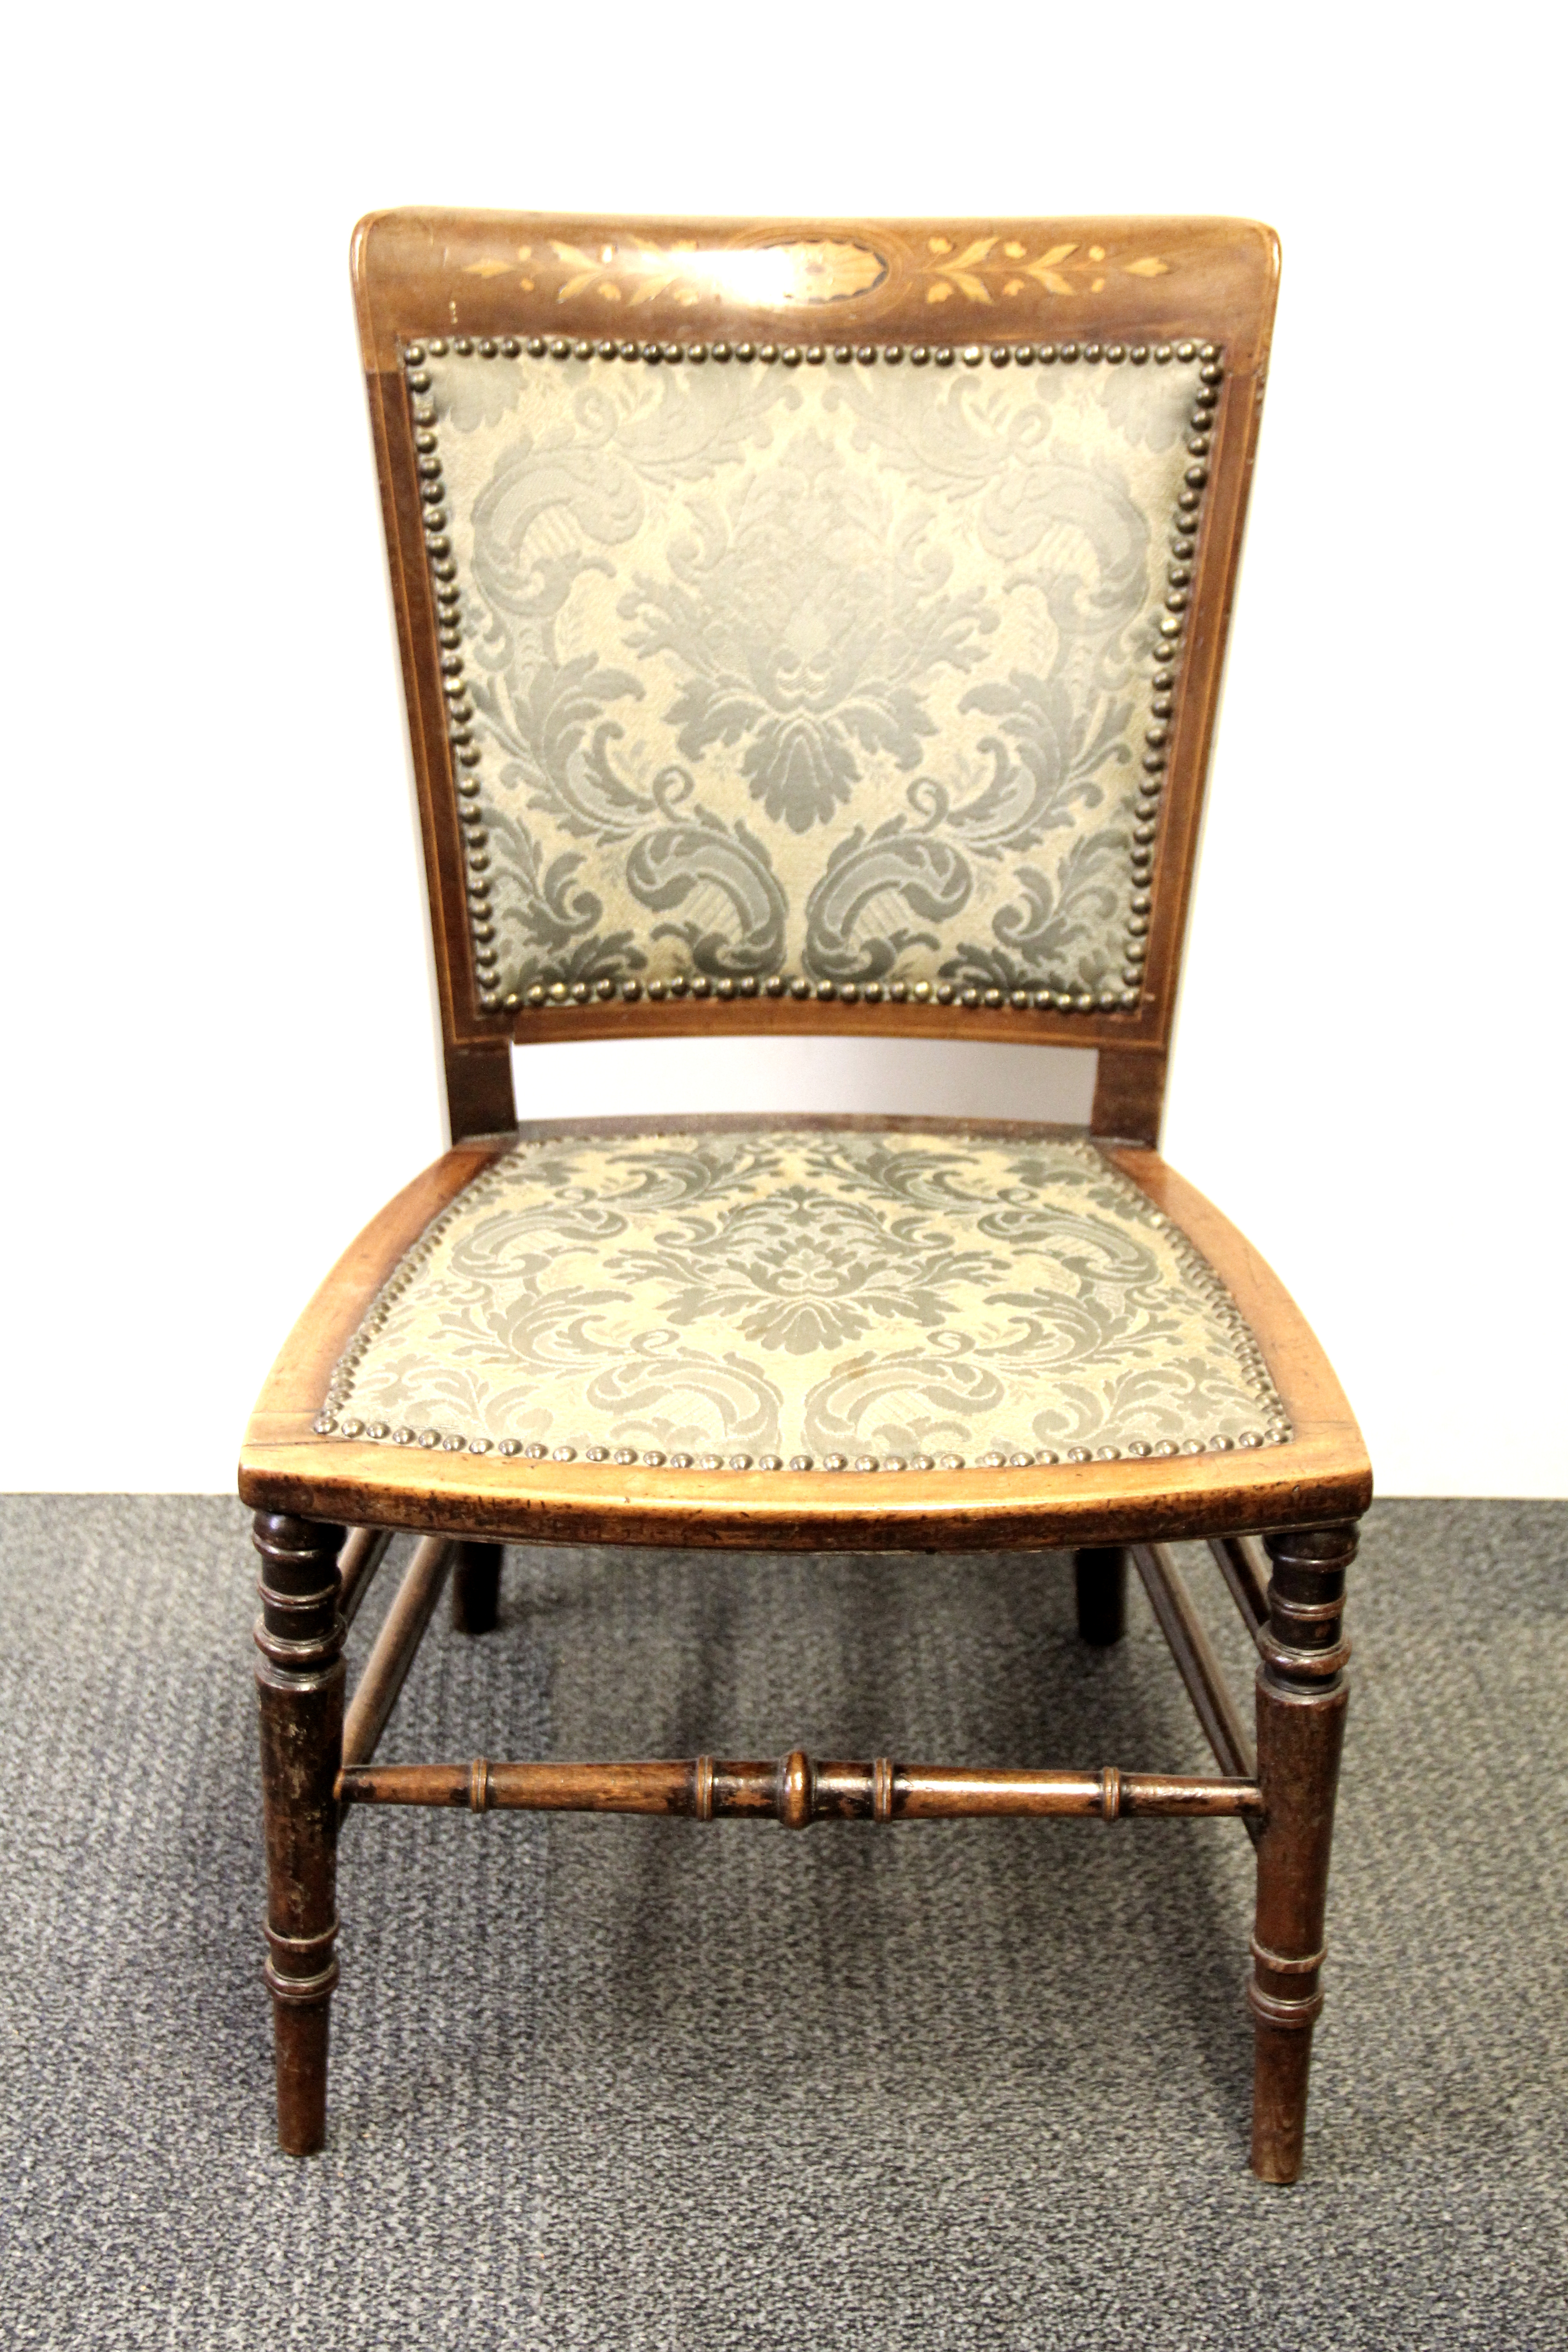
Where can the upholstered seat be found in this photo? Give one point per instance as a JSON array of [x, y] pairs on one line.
[[758, 1298]]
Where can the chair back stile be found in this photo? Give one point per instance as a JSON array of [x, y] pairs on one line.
[[812, 626]]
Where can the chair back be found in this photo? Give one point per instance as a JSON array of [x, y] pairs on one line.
[[812, 626]]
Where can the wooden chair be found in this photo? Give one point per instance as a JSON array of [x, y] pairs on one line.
[[809, 628]]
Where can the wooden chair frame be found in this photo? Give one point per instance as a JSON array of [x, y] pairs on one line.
[[325, 1512]]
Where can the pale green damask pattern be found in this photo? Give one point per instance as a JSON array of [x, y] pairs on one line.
[[833, 672], [878, 1298]]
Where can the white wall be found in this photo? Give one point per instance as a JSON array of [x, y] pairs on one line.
[[218, 1037]]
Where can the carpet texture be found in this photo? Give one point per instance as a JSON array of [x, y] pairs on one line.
[[645, 2084]]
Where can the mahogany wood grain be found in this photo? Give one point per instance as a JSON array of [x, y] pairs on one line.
[[300, 1681], [479, 1097], [786, 1016], [1234, 1557], [1195, 1659], [396, 1644], [1301, 1701], [796, 1790], [1129, 1092]]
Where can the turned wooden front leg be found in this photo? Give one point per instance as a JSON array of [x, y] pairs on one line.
[[1302, 1700], [300, 1675], [475, 1587], [1099, 1580]]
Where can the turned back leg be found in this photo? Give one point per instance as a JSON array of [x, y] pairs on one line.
[[1100, 1577], [1302, 1700], [475, 1587]]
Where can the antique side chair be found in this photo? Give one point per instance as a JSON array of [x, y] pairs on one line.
[[809, 628]]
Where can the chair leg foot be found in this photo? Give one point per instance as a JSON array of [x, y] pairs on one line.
[[1301, 1702], [1099, 1577], [300, 1680], [1281, 2065], [476, 1587], [299, 2031]]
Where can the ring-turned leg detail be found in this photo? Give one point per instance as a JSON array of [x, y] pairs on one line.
[[1301, 1701], [300, 1676], [1099, 1577], [475, 1587]]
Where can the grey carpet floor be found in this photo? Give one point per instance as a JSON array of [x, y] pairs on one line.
[[642, 2084]]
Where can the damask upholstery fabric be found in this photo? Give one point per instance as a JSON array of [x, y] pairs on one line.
[[880, 1298], [840, 673]]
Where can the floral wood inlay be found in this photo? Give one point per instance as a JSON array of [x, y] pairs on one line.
[[632, 272], [988, 265]]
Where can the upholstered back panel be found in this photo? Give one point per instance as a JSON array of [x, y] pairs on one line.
[[810, 671]]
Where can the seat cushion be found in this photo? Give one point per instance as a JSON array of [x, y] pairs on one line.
[[764, 1298]]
